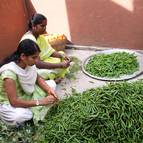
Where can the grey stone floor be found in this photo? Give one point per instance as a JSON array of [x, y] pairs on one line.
[[82, 81]]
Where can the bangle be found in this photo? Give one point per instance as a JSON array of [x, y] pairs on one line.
[[37, 102]]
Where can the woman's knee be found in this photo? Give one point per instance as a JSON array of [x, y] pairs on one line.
[[14, 116], [23, 115], [51, 83]]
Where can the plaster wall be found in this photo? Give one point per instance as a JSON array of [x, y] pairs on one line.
[[12, 24], [109, 23]]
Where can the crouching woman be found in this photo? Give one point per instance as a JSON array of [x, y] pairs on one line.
[[24, 95]]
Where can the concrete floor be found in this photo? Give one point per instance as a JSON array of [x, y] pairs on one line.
[[82, 82]]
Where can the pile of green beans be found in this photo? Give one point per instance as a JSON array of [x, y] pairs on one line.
[[113, 113], [112, 65]]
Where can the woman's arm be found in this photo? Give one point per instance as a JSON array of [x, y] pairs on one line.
[[46, 65], [41, 82], [60, 55], [10, 89], [57, 55]]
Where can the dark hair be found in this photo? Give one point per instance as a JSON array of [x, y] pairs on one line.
[[27, 47], [36, 19]]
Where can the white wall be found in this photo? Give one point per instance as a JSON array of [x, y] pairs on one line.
[[55, 11]]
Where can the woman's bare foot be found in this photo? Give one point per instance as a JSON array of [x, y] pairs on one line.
[[58, 80]]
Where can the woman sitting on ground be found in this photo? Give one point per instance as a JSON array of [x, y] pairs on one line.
[[49, 58], [23, 93]]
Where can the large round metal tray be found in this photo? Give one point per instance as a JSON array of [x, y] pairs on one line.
[[123, 77]]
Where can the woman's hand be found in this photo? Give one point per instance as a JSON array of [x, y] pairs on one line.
[[65, 63], [41, 82], [52, 92], [65, 57], [50, 99]]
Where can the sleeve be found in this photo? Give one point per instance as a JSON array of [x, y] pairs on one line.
[[45, 47], [8, 74]]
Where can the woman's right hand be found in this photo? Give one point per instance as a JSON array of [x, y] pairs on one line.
[[65, 63], [50, 99]]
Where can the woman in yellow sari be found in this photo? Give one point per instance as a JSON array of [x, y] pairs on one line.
[[51, 64]]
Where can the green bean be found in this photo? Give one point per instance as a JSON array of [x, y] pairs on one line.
[[113, 113], [112, 65]]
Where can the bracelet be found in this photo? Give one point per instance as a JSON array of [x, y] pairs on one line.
[[37, 102]]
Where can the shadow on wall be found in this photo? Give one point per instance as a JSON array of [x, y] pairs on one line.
[[14, 18], [106, 23]]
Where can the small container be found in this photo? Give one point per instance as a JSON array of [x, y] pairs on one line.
[[57, 41]]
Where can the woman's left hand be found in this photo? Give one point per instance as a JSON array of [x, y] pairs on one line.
[[66, 58], [52, 92]]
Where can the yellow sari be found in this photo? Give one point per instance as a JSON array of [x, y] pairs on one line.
[[45, 56]]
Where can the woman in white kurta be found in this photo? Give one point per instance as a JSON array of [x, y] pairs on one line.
[[23, 93]]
